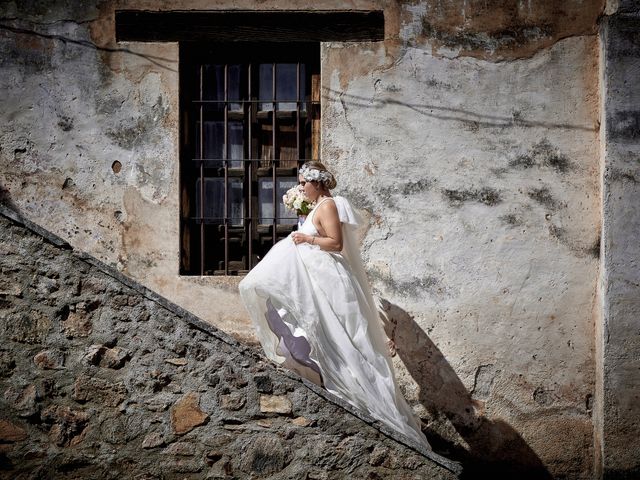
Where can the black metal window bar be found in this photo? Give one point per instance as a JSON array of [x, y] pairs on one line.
[[250, 118]]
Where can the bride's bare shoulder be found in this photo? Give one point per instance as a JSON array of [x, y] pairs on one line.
[[328, 208]]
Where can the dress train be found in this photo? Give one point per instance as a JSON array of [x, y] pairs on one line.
[[314, 313]]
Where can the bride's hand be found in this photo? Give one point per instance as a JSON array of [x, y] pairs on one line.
[[299, 238]]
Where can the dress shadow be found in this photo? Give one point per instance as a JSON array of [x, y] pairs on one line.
[[494, 447]]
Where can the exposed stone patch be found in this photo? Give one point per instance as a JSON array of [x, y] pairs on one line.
[[98, 391], [187, 415], [485, 376], [23, 399], [49, 359], [275, 404], [10, 432], [153, 440], [67, 425], [106, 357], [233, 401], [76, 324]]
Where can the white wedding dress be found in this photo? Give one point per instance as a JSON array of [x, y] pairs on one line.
[[314, 312]]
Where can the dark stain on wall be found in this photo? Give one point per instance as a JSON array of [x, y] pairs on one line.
[[544, 397], [558, 233], [544, 154], [543, 197], [619, 175], [511, 220], [576, 246], [485, 195], [417, 186], [146, 127], [625, 125], [65, 123], [414, 288], [507, 29], [488, 41], [126, 136], [626, 40], [388, 194], [30, 54], [594, 251], [360, 200]]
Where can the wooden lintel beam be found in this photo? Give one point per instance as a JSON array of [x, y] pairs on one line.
[[254, 26]]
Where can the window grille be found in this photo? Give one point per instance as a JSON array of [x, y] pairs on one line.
[[250, 116]]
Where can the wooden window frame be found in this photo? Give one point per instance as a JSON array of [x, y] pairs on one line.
[[210, 246]]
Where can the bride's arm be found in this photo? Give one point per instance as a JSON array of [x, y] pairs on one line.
[[330, 222]]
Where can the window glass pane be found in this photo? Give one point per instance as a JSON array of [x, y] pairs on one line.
[[213, 84], [285, 86], [265, 90], [214, 200], [265, 200], [213, 145], [236, 144], [235, 86], [236, 202]]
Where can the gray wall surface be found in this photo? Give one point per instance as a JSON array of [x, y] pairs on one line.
[[619, 337]]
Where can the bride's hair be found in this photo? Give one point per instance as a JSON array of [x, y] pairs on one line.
[[329, 182]]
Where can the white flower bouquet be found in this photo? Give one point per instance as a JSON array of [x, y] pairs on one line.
[[296, 200]]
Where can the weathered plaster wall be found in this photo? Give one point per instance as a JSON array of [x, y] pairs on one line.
[[469, 137], [619, 339], [481, 179]]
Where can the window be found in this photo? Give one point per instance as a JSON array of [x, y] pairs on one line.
[[250, 116]]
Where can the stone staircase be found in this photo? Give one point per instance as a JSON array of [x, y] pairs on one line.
[[104, 378]]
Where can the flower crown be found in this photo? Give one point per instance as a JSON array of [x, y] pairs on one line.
[[313, 174]]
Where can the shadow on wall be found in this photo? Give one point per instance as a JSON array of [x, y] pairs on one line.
[[5, 198], [495, 448]]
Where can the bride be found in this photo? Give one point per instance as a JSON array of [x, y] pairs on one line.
[[313, 311]]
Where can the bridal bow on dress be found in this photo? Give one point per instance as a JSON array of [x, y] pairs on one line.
[[313, 312]]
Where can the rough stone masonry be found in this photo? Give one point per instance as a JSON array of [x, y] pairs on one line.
[[98, 381]]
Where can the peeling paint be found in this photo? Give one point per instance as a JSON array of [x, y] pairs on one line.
[[493, 32]]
